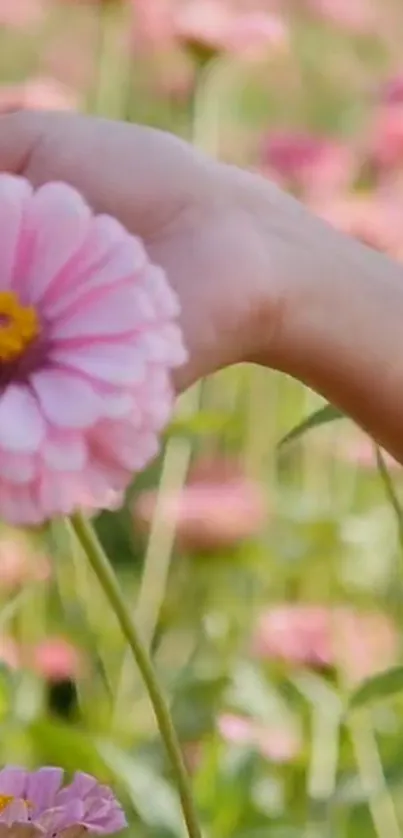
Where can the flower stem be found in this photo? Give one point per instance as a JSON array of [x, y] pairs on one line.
[[107, 579]]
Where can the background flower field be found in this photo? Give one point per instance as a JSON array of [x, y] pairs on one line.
[[267, 580]]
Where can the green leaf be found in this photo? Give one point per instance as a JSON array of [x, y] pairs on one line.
[[57, 743], [201, 424], [384, 685], [327, 413]]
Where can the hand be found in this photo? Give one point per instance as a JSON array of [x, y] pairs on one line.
[[190, 211]]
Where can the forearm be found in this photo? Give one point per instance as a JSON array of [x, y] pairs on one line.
[[345, 339], [340, 320]]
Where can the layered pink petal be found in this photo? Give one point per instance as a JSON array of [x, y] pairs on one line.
[[42, 787], [58, 218], [17, 468], [22, 427], [67, 401], [65, 452], [19, 505], [13, 781], [120, 310], [96, 268], [114, 363]]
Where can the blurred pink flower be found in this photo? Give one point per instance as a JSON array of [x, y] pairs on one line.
[[19, 564], [220, 26], [55, 659], [356, 16], [87, 344], [153, 24], [392, 90], [218, 507], [313, 165], [372, 219], [386, 137], [359, 644], [20, 13], [276, 744], [37, 94]]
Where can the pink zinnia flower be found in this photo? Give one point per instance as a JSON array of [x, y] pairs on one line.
[[87, 341], [32, 803], [56, 659], [356, 16], [392, 90], [218, 508], [358, 643], [313, 165], [386, 140], [221, 27]]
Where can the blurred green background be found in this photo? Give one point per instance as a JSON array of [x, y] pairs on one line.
[[267, 581]]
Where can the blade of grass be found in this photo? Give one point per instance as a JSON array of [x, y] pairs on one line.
[[369, 763], [390, 492]]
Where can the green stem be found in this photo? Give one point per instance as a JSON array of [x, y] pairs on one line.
[[108, 581]]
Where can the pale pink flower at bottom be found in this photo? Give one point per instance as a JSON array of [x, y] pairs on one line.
[[87, 345], [35, 804]]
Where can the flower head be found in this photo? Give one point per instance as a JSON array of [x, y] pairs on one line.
[[56, 659], [220, 26], [87, 342], [33, 803], [355, 16], [392, 90], [311, 164], [359, 644]]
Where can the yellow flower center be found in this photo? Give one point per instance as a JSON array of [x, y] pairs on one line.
[[5, 799], [18, 327]]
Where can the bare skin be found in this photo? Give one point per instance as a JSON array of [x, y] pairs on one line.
[[259, 278]]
